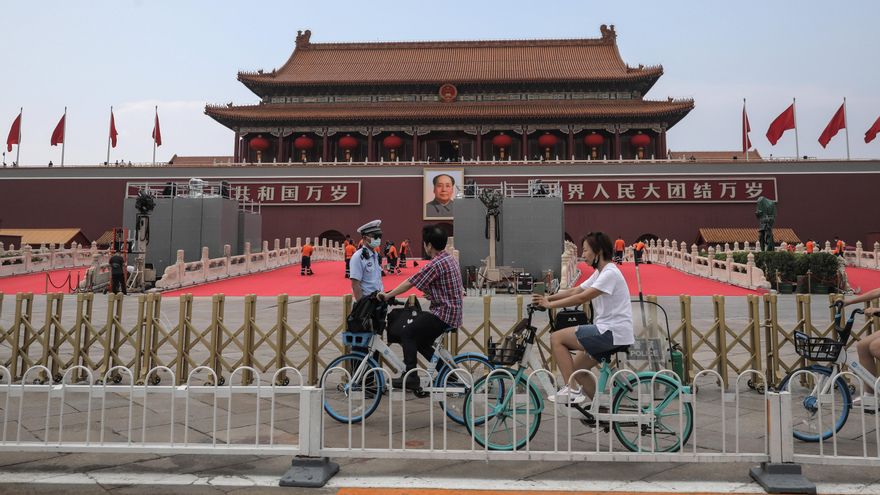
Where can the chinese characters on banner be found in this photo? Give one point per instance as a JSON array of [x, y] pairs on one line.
[[690, 190], [279, 193], [297, 193]]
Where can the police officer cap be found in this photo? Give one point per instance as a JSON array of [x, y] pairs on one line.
[[373, 228]]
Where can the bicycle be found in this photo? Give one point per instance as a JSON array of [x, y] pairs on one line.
[[813, 391], [640, 403], [361, 386]]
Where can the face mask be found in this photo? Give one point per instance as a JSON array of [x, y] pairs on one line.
[[374, 243]]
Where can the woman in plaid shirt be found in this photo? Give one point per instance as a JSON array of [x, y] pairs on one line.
[[440, 280]]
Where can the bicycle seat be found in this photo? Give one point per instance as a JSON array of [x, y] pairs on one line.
[[606, 356]]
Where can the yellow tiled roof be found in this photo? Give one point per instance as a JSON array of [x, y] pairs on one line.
[[43, 236]]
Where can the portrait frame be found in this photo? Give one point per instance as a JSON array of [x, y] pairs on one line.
[[428, 196]]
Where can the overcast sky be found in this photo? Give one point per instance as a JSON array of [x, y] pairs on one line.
[[134, 54]]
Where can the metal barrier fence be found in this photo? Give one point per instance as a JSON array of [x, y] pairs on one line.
[[729, 423], [142, 338]]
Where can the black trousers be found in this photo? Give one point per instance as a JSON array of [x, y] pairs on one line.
[[403, 260], [117, 283], [419, 337], [347, 267], [306, 264]]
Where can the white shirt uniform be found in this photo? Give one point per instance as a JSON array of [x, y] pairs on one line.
[[367, 271]]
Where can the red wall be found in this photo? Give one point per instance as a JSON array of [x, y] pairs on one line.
[[817, 206]]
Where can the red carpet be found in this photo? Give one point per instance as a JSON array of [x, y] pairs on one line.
[[658, 280], [862, 278], [328, 280], [36, 282]]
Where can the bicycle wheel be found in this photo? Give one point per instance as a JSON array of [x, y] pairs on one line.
[[662, 418], [806, 409], [459, 384], [342, 390], [513, 418]]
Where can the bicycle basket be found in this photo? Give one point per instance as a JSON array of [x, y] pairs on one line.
[[816, 348], [359, 339], [510, 350]]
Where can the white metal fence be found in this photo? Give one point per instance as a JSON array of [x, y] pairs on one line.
[[114, 414]]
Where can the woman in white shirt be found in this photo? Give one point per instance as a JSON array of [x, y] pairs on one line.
[[612, 324]]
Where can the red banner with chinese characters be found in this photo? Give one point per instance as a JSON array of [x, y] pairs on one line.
[[267, 193], [297, 193], [683, 190]]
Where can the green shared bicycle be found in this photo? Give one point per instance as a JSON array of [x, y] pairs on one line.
[[503, 409]]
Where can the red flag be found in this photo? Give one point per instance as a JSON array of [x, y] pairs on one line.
[[837, 123], [784, 122], [58, 133], [112, 130], [873, 131], [157, 133], [747, 143], [14, 133]]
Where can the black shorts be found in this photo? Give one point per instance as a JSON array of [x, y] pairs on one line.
[[598, 345]]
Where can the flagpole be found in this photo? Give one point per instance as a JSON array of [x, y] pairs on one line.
[[156, 119], [18, 145], [746, 135], [846, 127], [64, 133], [107, 163], [797, 148]]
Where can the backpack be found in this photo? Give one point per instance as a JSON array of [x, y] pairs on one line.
[[400, 318], [572, 318], [366, 316]]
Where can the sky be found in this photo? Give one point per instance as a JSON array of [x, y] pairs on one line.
[[179, 55]]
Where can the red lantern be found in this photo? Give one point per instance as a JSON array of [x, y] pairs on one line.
[[594, 140], [303, 143], [259, 143], [640, 140], [502, 141], [392, 142], [547, 140], [347, 142]]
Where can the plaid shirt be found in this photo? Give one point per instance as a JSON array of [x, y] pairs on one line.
[[440, 280]]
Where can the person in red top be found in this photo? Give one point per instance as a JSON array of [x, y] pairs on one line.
[[440, 280], [619, 247], [392, 259], [839, 246], [305, 266], [404, 250], [638, 251], [349, 252], [810, 247]]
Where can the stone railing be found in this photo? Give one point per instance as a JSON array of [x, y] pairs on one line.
[[569, 272], [43, 259], [861, 258], [207, 269], [677, 256]]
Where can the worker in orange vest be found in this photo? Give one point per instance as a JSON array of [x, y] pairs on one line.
[[392, 259], [349, 252], [639, 250], [619, 247], [839, 246], [404, 250], [305, 265], [810, 247]]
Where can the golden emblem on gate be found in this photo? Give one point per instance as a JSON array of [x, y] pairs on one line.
[[448, 93]]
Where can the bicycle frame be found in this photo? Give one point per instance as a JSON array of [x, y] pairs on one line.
[[440, 354]]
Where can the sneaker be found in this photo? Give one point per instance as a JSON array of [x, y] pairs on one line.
[[857, 404], [567, 395], [412, 382]]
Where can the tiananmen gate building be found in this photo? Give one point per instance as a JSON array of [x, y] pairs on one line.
[[344, 133]]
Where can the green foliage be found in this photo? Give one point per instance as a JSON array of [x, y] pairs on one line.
[[822, 266], [738, 257]]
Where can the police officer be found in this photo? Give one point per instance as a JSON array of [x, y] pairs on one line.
[[366, 271]]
